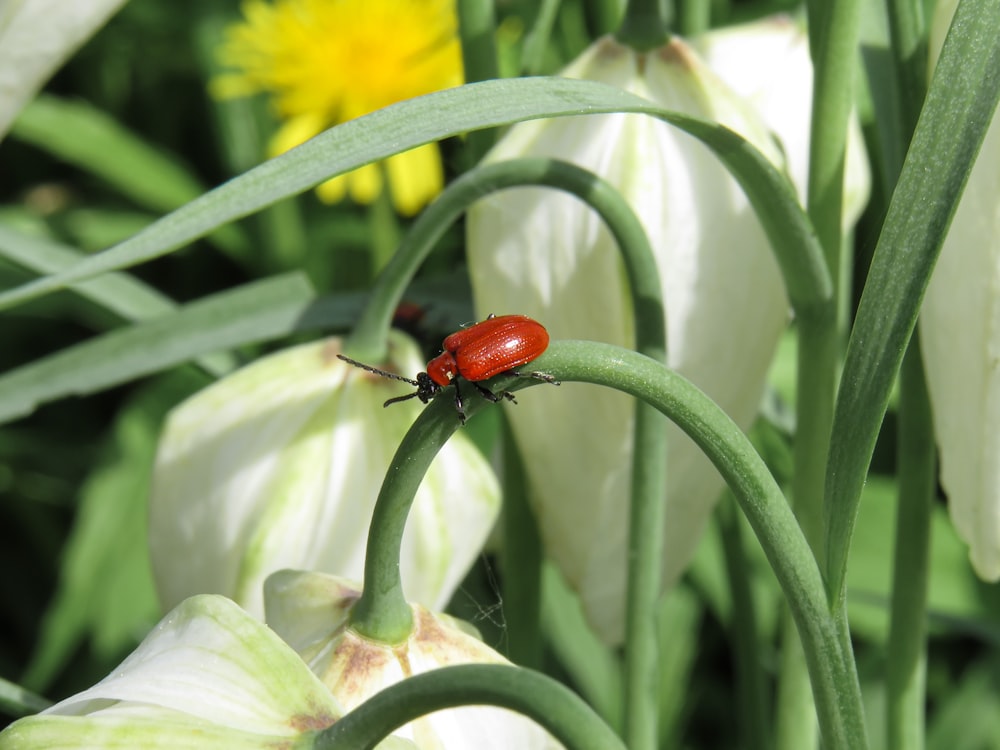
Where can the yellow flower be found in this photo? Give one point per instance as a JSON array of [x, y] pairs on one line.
[[328, 61]]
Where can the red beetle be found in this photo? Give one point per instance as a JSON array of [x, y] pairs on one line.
[[479, 352]]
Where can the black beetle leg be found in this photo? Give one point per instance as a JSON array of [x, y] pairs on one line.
[[459, 405], [494, 397], [536, 375]]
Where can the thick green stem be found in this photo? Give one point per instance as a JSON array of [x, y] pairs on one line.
[[367, 342], [694, 17], [751, 684], [646, 25], [828, 654], [906, 654], [834, 47], [477, 29], [551, 704], [649, 478], [522, 562]]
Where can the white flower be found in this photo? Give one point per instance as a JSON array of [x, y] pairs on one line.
[[36, 37], [309, 610], [767, 62], [960, 338], [544, 254], [208, 676], [279, 465]]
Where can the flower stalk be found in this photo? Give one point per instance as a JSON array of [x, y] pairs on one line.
[[551, 704], [829, 658]]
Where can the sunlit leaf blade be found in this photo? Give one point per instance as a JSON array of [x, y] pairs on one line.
[[253, 312], [960, 104], [429, 118], [92, 140], [128, 297]]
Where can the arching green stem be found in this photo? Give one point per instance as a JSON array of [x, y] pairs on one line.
[[367, 341], [828, 652], [551, 704], [391, 619]]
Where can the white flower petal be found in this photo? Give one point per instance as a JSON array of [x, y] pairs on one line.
[[309, 610], [210, 660], [768, 63], [543, 254], [279, 465]]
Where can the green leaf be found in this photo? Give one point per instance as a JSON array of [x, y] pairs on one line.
[[106, 584], [253, 312], [960, 104], [90, 139], [448, 113], [129, 298]]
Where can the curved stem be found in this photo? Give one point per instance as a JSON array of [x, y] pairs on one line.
[[828, 654], [552, 705], [649, 472], [367, 341]]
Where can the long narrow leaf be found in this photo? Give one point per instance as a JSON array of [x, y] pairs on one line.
[[429, 118], [253, 312], [127, 297], [960, 104], [82, 135]]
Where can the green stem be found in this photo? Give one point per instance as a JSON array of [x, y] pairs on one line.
[[646, 25], [536, 43], [694, 17], [552, 705], [522, 562], [960, 103], [833, 46], [477, 29], [906, 651], [382, 613], [751, 684], [649, 473], [906, 656], [834, 55], [367, 342], [828, 654], [816, 373], [795, 709], [603, 16], [909, 50]]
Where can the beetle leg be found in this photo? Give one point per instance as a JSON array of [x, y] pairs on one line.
[[495, 397], [459, 405], [536, 375]]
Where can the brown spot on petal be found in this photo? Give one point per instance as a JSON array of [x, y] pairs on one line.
[[677, 52], [312, 722]]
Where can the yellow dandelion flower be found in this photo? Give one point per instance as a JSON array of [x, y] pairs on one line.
[[328, 61]]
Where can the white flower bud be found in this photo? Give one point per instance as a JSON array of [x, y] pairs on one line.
[[309, 610], [544, 254], [279, 465]]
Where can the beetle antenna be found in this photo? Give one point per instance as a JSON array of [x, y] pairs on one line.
[[383, 373]]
